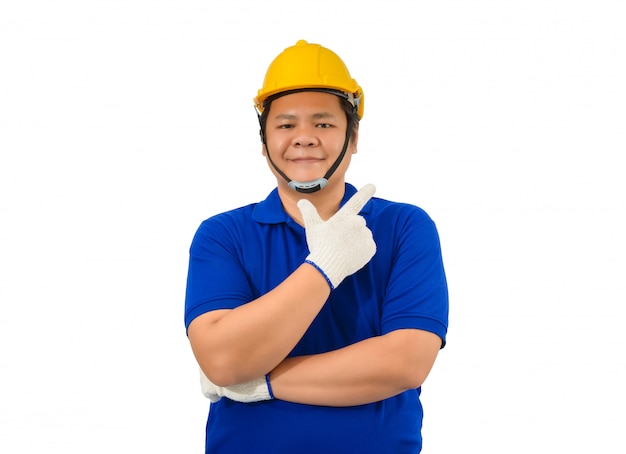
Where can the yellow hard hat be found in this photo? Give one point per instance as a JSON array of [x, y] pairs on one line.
[[309, 66]]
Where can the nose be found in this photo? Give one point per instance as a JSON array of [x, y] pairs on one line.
[[305, 137]]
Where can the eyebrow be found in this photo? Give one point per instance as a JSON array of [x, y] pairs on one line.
[[315, 116]]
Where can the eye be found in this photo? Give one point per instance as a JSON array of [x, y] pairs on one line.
[[324, 125], [285, 126]]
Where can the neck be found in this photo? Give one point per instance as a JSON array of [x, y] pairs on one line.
[[327, 200]]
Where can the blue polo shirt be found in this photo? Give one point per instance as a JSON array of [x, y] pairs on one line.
[[237, 256]]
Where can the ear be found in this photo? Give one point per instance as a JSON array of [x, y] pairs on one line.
[[354, 141], [263, 150]]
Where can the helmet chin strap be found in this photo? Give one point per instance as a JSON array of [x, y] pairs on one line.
[[308, 187]]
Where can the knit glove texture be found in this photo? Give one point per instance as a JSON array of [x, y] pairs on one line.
[[343, 244], [252, 391]]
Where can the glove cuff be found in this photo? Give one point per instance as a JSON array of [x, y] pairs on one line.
[[252, 391], [314, 265]]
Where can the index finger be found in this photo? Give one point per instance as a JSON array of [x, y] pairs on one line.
[[358, 200]]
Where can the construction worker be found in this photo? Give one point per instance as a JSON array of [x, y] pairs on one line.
[[316, 314]]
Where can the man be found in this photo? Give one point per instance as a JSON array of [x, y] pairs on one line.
[[317, 314]]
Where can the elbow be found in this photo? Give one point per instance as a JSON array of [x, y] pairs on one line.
[[219, 371], [227, 368], [417, 360], [219, 363], [415, 377], [417, 369], [409, 374], [219, 367]]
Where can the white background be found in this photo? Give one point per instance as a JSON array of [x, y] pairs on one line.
[[124, 124]]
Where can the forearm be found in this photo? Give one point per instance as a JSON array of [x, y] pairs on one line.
[[365, 372], [238, 345]]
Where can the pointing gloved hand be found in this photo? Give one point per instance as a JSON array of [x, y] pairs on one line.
[[343, 244], [252, 391]]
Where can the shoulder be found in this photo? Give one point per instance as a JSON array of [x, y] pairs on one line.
[[231, 217], [400, 225], [396, 213], [224, 227]]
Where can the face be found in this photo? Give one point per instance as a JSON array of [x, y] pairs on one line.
[[305, 133]]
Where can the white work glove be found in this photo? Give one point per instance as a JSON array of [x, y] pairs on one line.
[[343, 244], [252, 391]]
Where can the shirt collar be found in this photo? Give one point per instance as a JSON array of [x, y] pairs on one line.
[[271, 211]]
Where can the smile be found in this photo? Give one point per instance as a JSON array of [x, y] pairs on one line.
[[306, 160]]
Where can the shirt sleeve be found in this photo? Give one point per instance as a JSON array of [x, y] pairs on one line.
[[216, 278], [417, 293]]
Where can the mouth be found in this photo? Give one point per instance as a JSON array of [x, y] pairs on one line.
[[306, 160]]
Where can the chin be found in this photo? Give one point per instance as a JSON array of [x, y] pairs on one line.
[[305, 176]]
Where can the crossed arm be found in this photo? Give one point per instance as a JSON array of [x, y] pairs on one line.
[[239, 345], [368, 371]]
